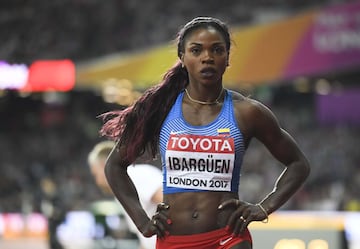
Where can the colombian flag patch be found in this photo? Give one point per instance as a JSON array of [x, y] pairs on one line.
[[224, 131]]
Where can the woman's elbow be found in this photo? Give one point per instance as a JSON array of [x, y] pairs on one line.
[[305, 169]]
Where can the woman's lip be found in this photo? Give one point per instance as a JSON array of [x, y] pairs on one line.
[[208, 72]]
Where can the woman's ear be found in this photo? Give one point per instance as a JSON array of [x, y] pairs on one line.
[[182, 60]]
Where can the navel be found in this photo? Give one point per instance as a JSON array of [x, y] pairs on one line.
[[195, 214]]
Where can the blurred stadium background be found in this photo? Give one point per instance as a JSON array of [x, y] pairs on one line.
[[64, 62]]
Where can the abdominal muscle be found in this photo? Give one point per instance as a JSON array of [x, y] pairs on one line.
[[197, 212]]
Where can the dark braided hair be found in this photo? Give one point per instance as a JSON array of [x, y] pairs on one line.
[[137, 127]]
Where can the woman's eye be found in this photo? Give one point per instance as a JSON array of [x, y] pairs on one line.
[[195, 50], [218, 50]]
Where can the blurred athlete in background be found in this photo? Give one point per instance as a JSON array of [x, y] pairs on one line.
[[147, 179]]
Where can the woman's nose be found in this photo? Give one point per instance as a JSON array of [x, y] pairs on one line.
[[207, 57]]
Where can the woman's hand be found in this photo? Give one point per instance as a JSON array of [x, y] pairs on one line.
[[159, 223], [244, 214]]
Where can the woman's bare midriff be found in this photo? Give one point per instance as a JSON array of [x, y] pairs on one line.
[[197, 212]]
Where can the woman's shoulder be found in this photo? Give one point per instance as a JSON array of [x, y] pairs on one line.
[[248, 110], [245, 102]]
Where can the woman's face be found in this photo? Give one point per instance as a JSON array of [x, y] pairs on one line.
[[205, 56]]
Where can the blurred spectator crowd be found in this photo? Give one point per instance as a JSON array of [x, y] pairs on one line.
[[85, 29], [43, 148], [44, 142]]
